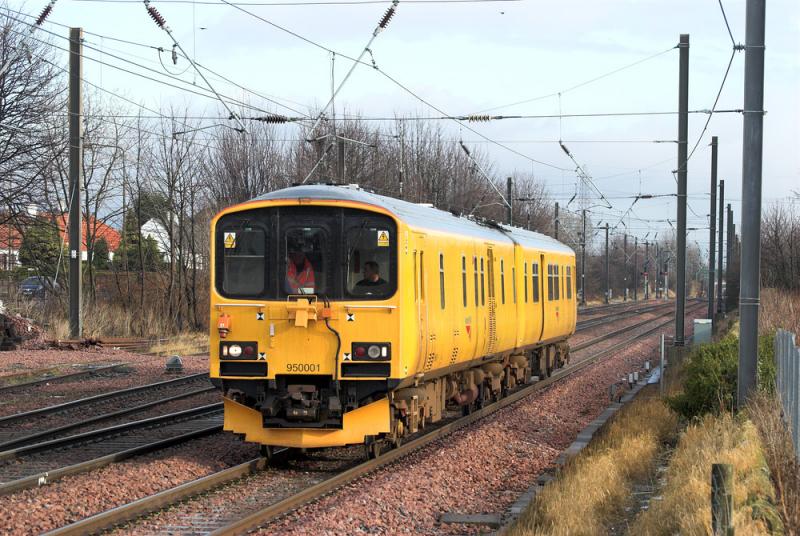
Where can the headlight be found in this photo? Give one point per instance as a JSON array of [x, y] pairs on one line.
[[374, 351], [234, 350]]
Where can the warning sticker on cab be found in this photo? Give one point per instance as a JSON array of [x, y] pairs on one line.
[[383, 239], [230, 240]]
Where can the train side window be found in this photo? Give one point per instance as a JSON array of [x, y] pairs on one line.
[[502, 282], [483, 286], [514, 282], [441, 279], [464, 279], [475, 273], [244, 261], [525, 282], [556, 282], [550, 282], [569, 282], [535, 281]]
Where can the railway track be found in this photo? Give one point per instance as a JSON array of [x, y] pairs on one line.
[[608, 317], [50, 379], [52, 421], [250, 491], [36, 464]]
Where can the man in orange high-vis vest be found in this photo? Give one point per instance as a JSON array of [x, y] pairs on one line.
[[299, 274]]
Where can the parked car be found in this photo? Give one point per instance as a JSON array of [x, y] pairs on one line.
[[37, 286]]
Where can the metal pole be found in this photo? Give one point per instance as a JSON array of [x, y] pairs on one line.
[[721, 499], [720, 301], [608, 280], [636, 274], [749, 278], [625, 269], [509, 191], [556, 222], [75, 179], [712, 234], [657, 272], [646, 268], [340, 160], [402, 155], [661, 378], [583, 261], [683, 135], [729, 258]]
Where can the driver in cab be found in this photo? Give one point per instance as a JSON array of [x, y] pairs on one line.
[[299, 271], [372, 276]]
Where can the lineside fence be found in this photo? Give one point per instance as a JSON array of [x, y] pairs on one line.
[[787, 355]]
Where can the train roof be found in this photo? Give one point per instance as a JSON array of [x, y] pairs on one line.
[[422, 216]]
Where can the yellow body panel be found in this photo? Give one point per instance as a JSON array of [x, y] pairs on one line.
[[372, 419]]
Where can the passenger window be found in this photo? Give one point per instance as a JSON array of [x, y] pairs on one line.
[[464, 279], [368, 262], [483, 288], [535, 282], [475, 273], [244, 261], [502, 282], [514, 282], [525, 282], [569, 282], [556, 282], [550, 282], [441, 279]]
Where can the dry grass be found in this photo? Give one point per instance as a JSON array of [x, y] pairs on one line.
[[594, 487], [183, 344], [779, 309], [685, 507], [99, 320], [765, 411]]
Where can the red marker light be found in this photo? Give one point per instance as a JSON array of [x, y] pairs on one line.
[[360, 351], [248, 350]]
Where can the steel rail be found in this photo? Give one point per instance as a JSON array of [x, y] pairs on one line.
[[97, 418], [146, 505], [41, 479], [619, 331], [70, 376], [111, 430], [610, 317], [96, 398]]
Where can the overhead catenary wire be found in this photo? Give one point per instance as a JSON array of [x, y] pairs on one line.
[[32, 28], [309, 2], [88, 44], [581, 84], [394, 81], [162, 23], [382, 24], [193, 90]]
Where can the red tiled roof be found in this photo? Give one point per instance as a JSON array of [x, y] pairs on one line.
[[98, 228], [9, 237]]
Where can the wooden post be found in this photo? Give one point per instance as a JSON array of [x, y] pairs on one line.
[[722, 499]]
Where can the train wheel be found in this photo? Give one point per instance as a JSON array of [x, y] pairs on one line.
[[373, 450]]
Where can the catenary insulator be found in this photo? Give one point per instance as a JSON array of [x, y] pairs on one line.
[[387, 16], [156, 16], [45, 13]]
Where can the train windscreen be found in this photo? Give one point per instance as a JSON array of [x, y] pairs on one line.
[[276, 252]]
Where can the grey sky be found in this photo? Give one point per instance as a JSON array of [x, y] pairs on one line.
[[465, 58]]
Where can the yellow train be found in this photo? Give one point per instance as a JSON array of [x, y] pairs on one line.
[[341, 317]]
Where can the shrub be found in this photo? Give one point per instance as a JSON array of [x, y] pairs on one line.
[[711, 376]]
